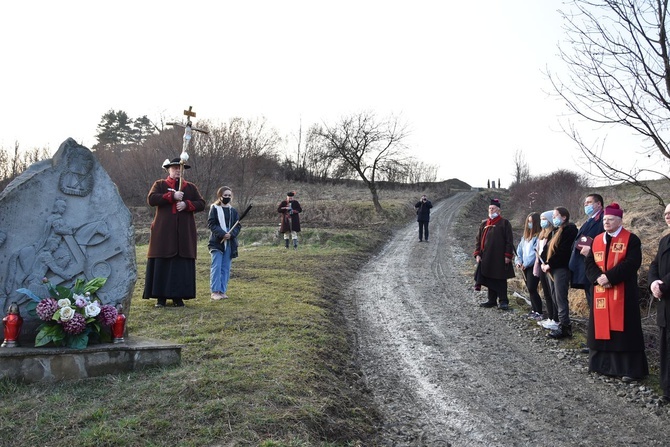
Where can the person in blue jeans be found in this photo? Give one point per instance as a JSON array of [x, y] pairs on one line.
[[423, 207], [223, 222]]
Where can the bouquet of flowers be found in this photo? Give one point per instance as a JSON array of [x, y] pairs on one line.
[[72, 317]]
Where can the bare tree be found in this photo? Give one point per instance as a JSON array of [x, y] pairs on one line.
[[371, 149], [521, 169], [619, 76]]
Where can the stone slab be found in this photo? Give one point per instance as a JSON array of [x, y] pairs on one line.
[[30, 365]]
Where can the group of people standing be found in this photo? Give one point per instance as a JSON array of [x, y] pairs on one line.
[[173, 240], [602, 258]]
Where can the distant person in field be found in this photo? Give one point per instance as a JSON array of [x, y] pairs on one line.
[[290, 210], [593, 208], [543, 239], [173, 240], [223, 223], [526, 252], [615, 338], [494, 251], [659, 283], [422, 208]]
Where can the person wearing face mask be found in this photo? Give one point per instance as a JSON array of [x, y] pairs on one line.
[[224, 223], [593, 208], [525, 260], [558, 256], [543, 239], [173, 240], [615, 338], [494, 252]]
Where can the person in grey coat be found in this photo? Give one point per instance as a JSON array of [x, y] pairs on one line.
[[423, 207]]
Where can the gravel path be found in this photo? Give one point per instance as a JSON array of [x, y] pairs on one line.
[[444, 371]]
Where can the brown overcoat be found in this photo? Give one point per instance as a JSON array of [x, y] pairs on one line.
[[173, 233]]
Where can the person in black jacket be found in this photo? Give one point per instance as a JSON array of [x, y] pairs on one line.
[[423, 207], [557, 254], [659, 283]]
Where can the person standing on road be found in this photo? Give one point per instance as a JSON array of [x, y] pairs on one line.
[[659, 284], [494, 252], [615, 338], [593, 208], [223, 222], [423, 207], [558, 257], [543, 239], [290, 210], [173, 240], [525, 261]]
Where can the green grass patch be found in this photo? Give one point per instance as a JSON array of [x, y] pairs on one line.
[[270, 366]]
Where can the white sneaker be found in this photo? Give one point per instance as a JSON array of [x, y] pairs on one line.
[[551, 325], [543, 322]]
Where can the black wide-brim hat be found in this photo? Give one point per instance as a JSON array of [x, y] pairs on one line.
[[174, 162]]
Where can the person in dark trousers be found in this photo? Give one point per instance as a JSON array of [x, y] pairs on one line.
[[659, 284], [290, 210], [423, 207], [494, 251]]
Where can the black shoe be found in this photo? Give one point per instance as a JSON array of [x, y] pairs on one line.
[[178, 302], [487, 304], [478, 287], [627, 379], [563, 331], [160, 303], [503, 306]]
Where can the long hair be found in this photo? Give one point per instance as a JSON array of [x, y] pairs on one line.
[[556, 238], [219, 195], [530, 233]]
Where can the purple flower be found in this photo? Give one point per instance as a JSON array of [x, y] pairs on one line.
[[75, 325], [107, 315], [46, 308]]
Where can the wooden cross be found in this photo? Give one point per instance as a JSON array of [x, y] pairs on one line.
[[189, 113]]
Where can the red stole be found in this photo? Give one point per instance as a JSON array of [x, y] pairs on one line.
[[608, 304], [173, 184], [490, 223]]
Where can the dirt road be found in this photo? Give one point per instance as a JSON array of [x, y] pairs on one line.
[[444, 371]]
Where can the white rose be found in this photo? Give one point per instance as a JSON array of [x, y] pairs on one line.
[[66, 313], [63, 302], [92, 309]]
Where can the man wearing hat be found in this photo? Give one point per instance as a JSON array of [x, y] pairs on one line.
[[173, 238], [290, 210], [615, 338], [494, 252]]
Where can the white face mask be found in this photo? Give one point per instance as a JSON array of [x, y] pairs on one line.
[[493, 216]]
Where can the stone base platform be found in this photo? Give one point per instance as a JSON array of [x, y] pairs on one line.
[[30, 364]]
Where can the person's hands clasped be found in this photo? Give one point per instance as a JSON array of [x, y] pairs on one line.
[[181, 206], [178, 195], [603, 281]]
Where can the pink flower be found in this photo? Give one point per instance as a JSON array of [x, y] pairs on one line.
[[107, 315], [75, 325], [46, 309]]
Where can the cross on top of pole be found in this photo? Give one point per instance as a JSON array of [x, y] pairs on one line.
[[189, 113]]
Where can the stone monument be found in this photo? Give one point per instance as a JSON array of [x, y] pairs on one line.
[[63, 219]]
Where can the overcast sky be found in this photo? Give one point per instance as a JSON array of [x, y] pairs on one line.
[[467, 77]]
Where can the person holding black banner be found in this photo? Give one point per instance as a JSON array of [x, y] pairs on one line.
[[224, 223], [290, 210], [615, 338], [494, 253]]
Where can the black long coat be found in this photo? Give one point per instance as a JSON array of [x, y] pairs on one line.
[[660, 269], [498, 245], [290, 219], [631, 339]]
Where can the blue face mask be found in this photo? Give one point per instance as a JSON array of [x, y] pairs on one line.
[[544, 223], [530, 225], [557, 221], [588, 210]]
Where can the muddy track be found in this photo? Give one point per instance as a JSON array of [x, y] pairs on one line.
[[444, 371]]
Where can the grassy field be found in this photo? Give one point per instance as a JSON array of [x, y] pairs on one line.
[[271, 366]]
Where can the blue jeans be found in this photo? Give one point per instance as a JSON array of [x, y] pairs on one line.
[[219, 273]]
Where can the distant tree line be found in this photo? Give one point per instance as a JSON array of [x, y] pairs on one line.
[[245, 154]]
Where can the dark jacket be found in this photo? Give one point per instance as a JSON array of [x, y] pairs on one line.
[[631, 339], [173, 233], [660, 269], [215, 239], [591, 228], [290, 219], [561, 255], [498, 245], [423, 211]]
